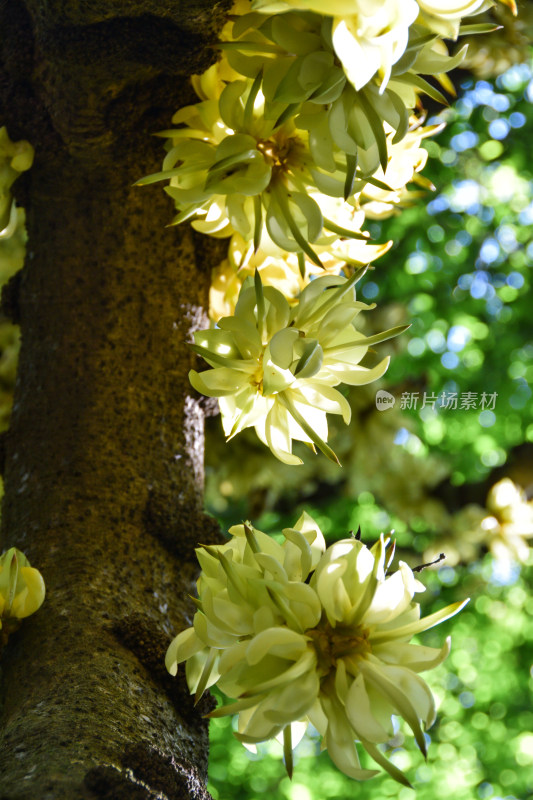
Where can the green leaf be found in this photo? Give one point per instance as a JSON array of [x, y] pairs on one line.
[[158, 176], [252, 95], [283, 204], [287, 114], [260, 300], [385, 335], [301, 263], [330, 89], [377, 128], [287, 749], [420, 41], [244, 157], [258, 221], [351, 166], [329, 225], [253, 544], [232, 708], [380, 759], [403, 114], [184, 215], [204, 677], [256, 47], [375, 182], [478, 27], [411, 79]]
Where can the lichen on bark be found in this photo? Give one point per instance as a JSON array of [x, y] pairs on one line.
[[104, 454]]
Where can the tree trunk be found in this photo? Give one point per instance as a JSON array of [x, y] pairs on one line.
[[104, 455]]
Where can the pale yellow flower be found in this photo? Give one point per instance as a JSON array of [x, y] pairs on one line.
[[275, 366], [510, 522], [503, 527], [296, 633], [373, 38], [22, 590], [211, 83], [369, 36], [282, 270], [15, 157], [406, 159], [233, 170], [445, 16]]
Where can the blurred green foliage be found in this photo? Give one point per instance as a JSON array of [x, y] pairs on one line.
[[460, 271], [461, 265]]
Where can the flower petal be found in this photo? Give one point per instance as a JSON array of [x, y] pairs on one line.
[[277, 435], [219, 381], [182, 647], [406, 631], [356, 375], [278, 641], [360, 716], [413, 656], [377, 676], [392, 596]]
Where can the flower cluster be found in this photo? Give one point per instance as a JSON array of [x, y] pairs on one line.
[[384, 24], [406, 160], [297, 632], [305, 109], [355, 69], [490, 56], [21, 590], [235, 169], [275, 366], [309, 124], [304, 128], [510, 522], [15, 157], [502, 527], [283, 270]]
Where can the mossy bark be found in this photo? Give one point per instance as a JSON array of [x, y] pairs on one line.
[[104, 455]]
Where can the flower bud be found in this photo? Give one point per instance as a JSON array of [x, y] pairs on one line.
[[22, 589]]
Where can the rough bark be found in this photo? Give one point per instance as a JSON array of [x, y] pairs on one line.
[[103, 461]]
